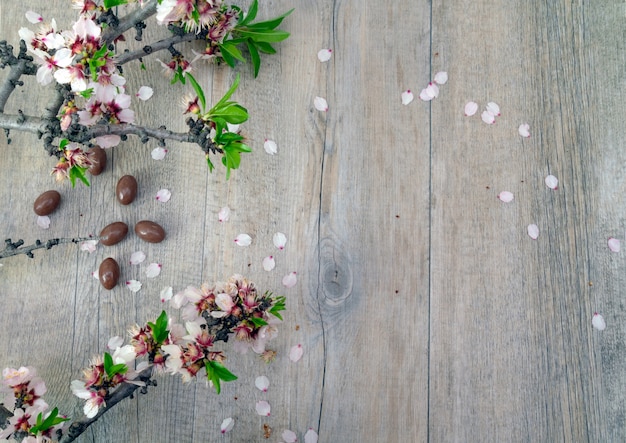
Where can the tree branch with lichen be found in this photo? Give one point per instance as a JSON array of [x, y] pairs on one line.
[[15, 248]]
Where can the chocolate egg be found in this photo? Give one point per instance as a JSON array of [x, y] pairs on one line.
[[113, 233], [98, 157], [109, 273], [47, 202], [126, 189], [149, 231]]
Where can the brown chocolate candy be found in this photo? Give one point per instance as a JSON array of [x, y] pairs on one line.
[[113, 233], [126, 189], [149, 231], [98, 157], [47, 202], [109, 273]]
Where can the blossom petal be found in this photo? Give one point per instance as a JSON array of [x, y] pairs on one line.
[[269, 263], [290, 280], [533, 231], [470, 108], [166, 294], [137, 257], [262, 383], [441, 78], [243, 240], [598, 322], [144, 93], [270, 146], [33, 17], [224, 214], [227, 425], [432, 90], [320, 104], [43, 221], [425, 95], [164, 195], [324, 54], [154, 269], [115, 342], [295, 353], [493, 108], [506, 196], [280, 240], [158, 153], [289, 436], [524, 130], [95, 274], [552, 182], [133, 285], [488, 117], [407, 97], [88, 245], [263, 408], [614, 244], [108, 141], [310, 436]]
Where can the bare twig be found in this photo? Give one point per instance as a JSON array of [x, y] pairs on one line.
[[16, 248], [129, 21]]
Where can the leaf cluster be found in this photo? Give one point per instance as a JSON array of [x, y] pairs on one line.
[[215, 371], [159, 328], [52, 420]]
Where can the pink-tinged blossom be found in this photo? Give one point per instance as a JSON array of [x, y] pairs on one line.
[[295, 353], [263, 408], [115, 342], [493, 108], [166, 294], [224, 214], [324, 55], [524, 130], [533, 231], [243, 240], [441, 78], [133, 285], [506, 196], [614, 244], [94, 401], [144, 93], [227, 425], [43, 221], [470, 108], [163, 195], [89, 245], [12, 377], [598, 322], [154, 269], [270, 146], [407, 97], [137, 257], [108, 141], [158, 153], [225, 303], [262, 383], [20, 421], [289, 436], [488, 117], [429, 92], [33, 17], [552, 182], [320, 104], [269, 263], [280, 240], [290, 280], [62, 58], [310, 436]]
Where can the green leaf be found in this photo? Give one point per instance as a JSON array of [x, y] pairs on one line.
[[258, 322], [216, 371], [267, 36], [254, 7], [210, 163], [108, 4], [270, 24], [87, 93], [43, 425], [159, 328], [212, 376], [231, 51], [63, 143], [228, 93], [78, 172], [265, 48], [198, 89], [254, 56]]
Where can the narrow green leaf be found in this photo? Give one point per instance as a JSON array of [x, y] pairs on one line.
[[267, 36], [108, 4], [258, 322], [63, 143], [222, 372], [78, 172], [265, 47], [254, 7], [108, 364], [228, 93], [270, 24], [232, 50], [209, 163], [254, 56], [229, 59], [198, 89]]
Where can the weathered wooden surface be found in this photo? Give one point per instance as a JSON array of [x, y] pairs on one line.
[[425, 311]]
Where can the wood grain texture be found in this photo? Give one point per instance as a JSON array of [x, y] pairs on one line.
[[425, 311]]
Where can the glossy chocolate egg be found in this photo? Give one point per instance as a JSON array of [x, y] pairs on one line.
[[126, 189], [113, 233], [109, 273], [98, 157], [47, 202], [149, 231]]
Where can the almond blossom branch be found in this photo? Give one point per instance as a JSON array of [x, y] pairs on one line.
[[16, 248], [20, 65], [129, 21]]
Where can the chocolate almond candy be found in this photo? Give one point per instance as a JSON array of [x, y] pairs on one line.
[[149, 231], [126, 189], [113, 233], [47, 202], [98, 157], [109, 273]]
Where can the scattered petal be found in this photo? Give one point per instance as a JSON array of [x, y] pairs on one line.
[[424, 95], [441, 78], [166, 294], [133, 285], [137, 257], [115, 342], [471, 108], [290, 280], [33, 17], [295, 353], [43, 221], [488, 117], [262, 383], [320, 104], [493, 108], [269, 263], [88, 245], [407, 97], [552, 182], [144, 93], [506, 196], [310, 436], [95, 275], [280, 240], [224, 214], [614, 244], [243, 240], [324, 54], [432, 90], [158, 153], [227, 425], [598, 322], [524, 130], [164, 195], [108, 141], [263, 408], [270, 147], [154, 269], [533, 231], [289, 436]]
